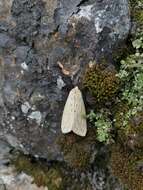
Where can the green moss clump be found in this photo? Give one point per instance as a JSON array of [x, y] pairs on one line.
[[43, 176], [56, 176], [131, 136], [138, 15], [137, 10], [119, 111], [101, 82], [127, 166], [77, 150]]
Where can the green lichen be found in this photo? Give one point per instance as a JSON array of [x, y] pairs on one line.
[[101, 82], [102, 124], [77, 150], [131, 75], [127, 153], [127, 166]]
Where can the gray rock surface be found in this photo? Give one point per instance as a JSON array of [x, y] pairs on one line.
[[43, 53], [5, 9], [10, 180]]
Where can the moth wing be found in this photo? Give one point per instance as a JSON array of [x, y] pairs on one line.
[[68, 114], [79, 126]]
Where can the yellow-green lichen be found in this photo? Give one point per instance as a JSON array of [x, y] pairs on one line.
[[101, 82]]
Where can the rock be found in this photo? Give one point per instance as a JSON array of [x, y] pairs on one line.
[[60, 83], [13, 181], [27, 15], [36, 115], [2, 185], [6, 41], [4, 153], [44, 55], [25, 107], [5, 9]]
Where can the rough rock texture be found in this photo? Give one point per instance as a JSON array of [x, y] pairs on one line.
[[41, 58], [5, 9], [9, 178], [19, 172], [44, 49]]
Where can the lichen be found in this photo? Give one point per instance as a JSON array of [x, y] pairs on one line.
[[101, 82], [127, 152], [103, 125]]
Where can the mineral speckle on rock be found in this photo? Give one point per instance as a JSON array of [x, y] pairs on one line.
[[25, 107], [36, 116], [85, 11], [60, 83], [24, 66]]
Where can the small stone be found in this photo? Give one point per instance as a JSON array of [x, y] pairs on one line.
[[12, 117], [60, 83], [5, 9], [36, 116], [24, 66], [25, 107], [2, 185]]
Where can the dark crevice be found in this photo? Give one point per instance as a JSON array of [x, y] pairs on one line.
[[82, 2], [86, 2]]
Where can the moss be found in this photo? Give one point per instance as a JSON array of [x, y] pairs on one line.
[[127, 166], [137, 10], [127, 153], [101, 82], [42, 175], [138, 15], [77, 150], [130, 135], [55, 176], [119, 110]]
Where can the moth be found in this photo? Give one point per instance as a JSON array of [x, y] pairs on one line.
[[73, 118]]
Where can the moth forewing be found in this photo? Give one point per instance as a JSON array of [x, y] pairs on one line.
[[67, 118], [73, 115], [80, 126]]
